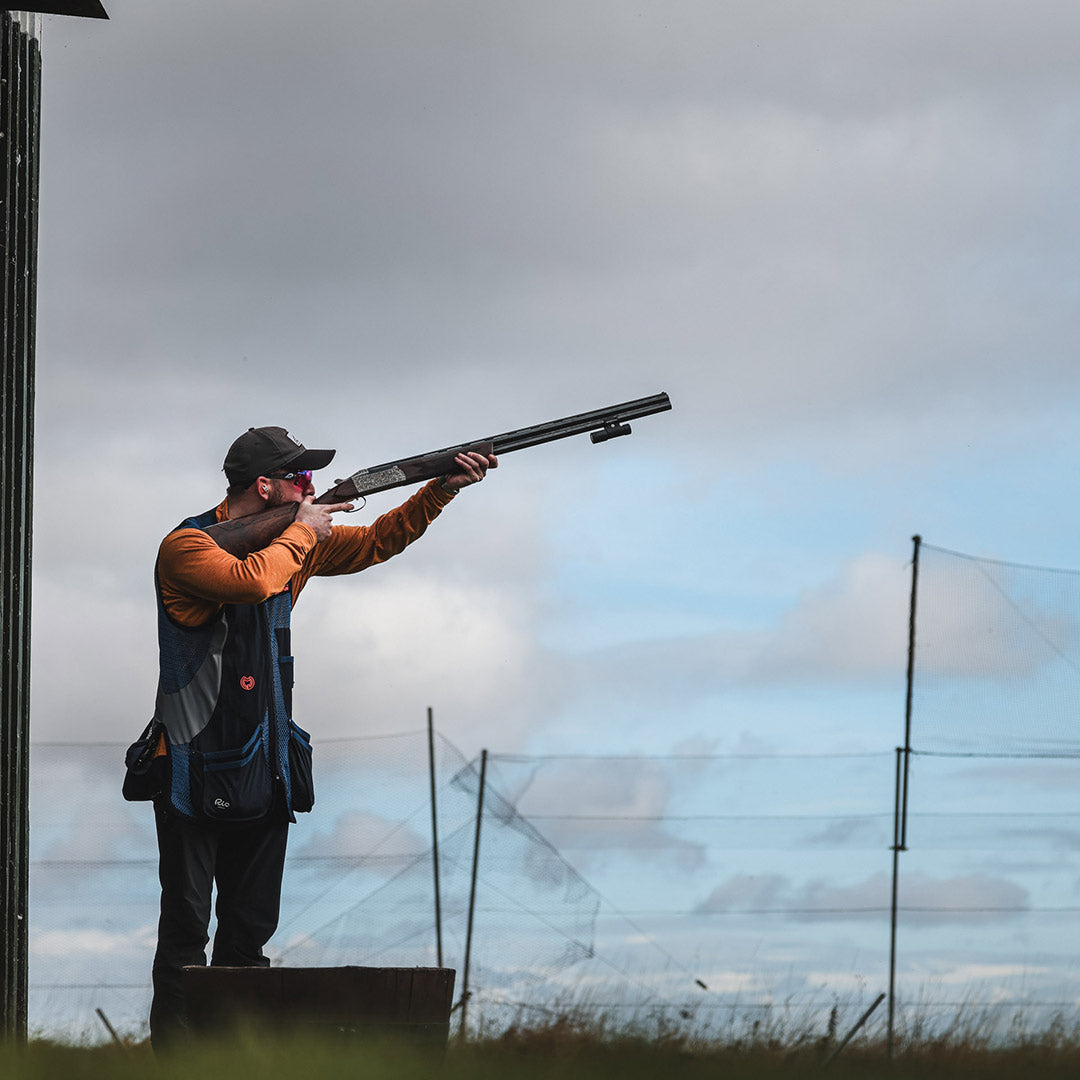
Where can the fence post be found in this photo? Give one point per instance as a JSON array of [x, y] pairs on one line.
[[917, 545], [894, 909], [903, 764], [472, 895], [434, 838]]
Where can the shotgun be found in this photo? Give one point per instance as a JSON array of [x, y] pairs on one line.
[[241, 536]]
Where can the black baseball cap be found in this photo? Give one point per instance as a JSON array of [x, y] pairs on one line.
[[264, 450]]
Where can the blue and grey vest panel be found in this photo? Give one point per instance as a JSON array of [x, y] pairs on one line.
[[225, 699]]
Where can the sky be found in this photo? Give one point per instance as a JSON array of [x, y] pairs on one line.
[[841, 236]]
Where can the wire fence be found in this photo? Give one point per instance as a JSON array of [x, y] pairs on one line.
[[718, 894], [698, 892]]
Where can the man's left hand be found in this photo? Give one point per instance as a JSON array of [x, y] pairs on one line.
[[474, 467]]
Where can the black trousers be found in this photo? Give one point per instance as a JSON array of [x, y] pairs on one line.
[[246, 863]]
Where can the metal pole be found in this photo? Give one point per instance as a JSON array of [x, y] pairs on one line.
[[20, 140], [20, 72], [472, 894], [917, 542], [903, 769], [851, 1034], [434, 837], [894, 909], [109, 1028]]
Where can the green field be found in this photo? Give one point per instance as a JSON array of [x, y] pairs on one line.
[[558, 1052]]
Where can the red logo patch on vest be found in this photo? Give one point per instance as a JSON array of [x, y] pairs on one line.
[[247, 683]]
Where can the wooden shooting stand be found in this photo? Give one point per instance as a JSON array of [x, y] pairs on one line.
[[412, 1004]]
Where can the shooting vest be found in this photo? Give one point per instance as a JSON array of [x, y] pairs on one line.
[[224, 700]]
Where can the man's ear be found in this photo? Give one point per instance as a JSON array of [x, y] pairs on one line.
[[262, 486]]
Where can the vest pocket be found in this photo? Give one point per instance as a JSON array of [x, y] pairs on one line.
[[147, 764], [236, 783], [300, 780]]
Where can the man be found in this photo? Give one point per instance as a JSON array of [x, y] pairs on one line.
[[238, 767]]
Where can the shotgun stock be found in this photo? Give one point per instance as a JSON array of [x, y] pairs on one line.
[[241, 536]]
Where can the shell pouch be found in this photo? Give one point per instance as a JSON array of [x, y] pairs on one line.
[[147, 764]]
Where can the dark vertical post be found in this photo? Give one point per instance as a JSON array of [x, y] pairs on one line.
[[434, 837], [917, 545], [20, 84], [903, 765], [895, 905], [472, 894]]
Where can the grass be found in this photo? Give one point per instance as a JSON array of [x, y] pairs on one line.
[[566, 1049]]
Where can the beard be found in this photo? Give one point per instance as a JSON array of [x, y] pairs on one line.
[[275, 498]]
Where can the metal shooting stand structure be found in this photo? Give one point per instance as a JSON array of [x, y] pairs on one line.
[[20, 119]]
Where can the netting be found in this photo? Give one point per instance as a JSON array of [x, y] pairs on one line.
[[537, 916], [358, 888], [997, 657], [988, 901], [729, 886], [694, 890]]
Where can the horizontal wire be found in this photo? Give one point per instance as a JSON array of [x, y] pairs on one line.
[[1033, 755], [884, 814], [711, 1004], [524, 759], [870, 910], [709, 817]]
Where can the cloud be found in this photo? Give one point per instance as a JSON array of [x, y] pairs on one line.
[[926, 900], [853, 832], [750, 891], [618, 806], [851, 630], [853, 627], [72, 667], [565, 194], [378, 651], [978, 618], [90, 942], [950, 973], [566, 208], [363, 838], [970, 899]]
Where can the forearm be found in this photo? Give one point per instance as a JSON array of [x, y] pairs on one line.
[[191, 567], [353, 548]]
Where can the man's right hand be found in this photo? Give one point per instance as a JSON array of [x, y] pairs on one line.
[[317, 515]]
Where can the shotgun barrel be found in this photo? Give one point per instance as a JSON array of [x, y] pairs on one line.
[[241, 536]]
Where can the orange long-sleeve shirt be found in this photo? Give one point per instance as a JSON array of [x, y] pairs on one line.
[[197, 577]]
